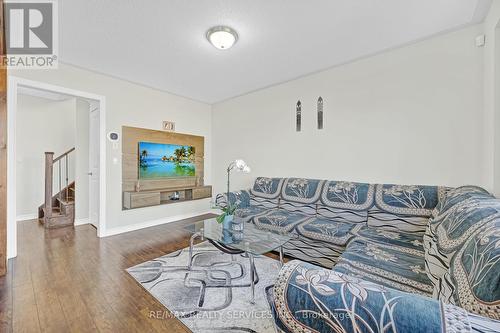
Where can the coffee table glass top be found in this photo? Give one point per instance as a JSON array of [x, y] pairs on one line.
[[251, 239]]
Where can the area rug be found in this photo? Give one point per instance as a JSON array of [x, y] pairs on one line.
[[214, 296]]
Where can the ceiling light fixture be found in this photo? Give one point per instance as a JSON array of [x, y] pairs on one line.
[[222, 37]]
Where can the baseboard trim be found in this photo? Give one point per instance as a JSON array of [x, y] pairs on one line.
[[82, 221], [26, 217], [151, 223]]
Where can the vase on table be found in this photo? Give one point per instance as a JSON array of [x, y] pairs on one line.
[[237, 224], [226, 223]]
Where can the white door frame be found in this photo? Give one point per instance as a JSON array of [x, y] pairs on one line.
[[93, 107], [13, 84]]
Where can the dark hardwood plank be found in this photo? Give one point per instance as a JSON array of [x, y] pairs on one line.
[[24, 309], [3, 151], [6, 304], [68, 280]]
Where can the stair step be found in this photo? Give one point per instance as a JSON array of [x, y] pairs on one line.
[[57, 212], [63, 208], [58, 220], [67, 201]]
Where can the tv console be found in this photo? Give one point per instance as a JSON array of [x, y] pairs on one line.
[[163, 196]]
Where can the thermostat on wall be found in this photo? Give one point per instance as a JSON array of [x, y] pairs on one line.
[[113, 136], [480, 40]]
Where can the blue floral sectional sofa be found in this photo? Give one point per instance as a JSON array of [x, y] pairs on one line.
[[380, 258]]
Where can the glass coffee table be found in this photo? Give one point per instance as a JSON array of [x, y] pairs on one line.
[[250, 242]]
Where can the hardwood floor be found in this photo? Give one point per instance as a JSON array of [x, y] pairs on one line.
[[3, 149], [68, 280]]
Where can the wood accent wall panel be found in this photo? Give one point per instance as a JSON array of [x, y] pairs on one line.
[[3, 151], [131, 136]]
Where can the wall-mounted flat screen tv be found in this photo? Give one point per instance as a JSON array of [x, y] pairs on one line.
[[160, 160]]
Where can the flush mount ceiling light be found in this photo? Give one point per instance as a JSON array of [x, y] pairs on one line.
[[222, 37]]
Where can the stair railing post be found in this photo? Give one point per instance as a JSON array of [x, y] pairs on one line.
[[60, 188], [49, 166], [66, 163]]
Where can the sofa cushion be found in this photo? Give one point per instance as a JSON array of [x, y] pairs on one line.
[[452, 196], [391, 265], [314, 251], [279, 220], [405, 208], [452, 226], [238, 198], [266, 191], [454, 219], [308, 299], [346, 201], [328, 230], [473, 280], [396, 222], [437, 263], [345, 215], [320, 241], [248, 213], [301, 195], [412, 242]]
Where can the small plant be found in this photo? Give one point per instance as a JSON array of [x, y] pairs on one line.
[[226, 211]]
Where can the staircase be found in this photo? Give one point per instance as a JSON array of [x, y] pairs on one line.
[[58, 210]]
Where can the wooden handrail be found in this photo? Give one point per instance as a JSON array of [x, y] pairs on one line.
[[63, 154]]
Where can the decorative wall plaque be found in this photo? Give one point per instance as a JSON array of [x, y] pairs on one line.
[[168, 126], [298, 114], [320, 113]]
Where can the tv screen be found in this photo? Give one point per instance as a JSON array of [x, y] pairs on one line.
[[159, 160]]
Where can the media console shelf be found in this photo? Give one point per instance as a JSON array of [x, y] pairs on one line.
[[159, 189], [163, 196]]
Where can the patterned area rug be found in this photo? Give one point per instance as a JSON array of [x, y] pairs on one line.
[[215, 295]]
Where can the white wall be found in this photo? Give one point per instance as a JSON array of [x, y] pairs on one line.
[[492, 92], [128, 104], [42, 125], [82, 109], [409, 115]]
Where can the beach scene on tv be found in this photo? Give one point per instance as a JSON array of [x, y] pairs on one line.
[[159, 160]]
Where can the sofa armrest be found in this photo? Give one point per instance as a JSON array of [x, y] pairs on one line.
[[307, 298], [239, 198]]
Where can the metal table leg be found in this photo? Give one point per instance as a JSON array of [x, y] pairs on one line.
[[191, 243], [281, 256], [252, 277]]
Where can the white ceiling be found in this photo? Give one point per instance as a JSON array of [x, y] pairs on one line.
[[161, 43]]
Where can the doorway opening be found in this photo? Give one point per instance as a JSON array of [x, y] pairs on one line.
[[56, 149]]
